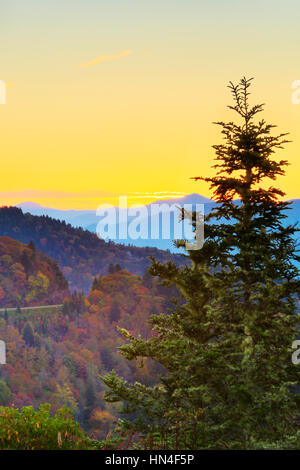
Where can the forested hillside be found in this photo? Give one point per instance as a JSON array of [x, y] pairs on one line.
[[80, 254], [28, 277], [54, 356]]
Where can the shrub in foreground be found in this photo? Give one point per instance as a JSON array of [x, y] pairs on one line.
[[27, 429]]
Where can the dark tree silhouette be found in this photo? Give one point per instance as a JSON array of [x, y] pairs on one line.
[[230, 382]]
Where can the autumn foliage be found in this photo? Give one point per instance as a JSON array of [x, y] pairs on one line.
[[28, 277], [56, 355]]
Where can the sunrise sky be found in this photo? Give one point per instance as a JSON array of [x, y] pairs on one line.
[[108, 97]]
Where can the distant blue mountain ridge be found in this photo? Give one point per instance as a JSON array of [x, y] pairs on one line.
[[88, 219]]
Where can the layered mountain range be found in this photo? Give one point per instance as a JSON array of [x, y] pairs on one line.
[[89, 220]]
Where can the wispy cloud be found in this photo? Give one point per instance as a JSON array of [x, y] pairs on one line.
[[48, 194], [157, 195], [106, 58], [32, 193], [91, 194]]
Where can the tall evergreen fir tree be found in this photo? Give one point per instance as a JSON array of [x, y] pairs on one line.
[[28, 335], [229, 381]]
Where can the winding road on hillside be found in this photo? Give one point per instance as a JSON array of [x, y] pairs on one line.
[[10, 309]]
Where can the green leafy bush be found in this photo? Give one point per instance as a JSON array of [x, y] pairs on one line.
[[27, 429]]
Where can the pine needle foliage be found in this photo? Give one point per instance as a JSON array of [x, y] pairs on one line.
[[229, 380]]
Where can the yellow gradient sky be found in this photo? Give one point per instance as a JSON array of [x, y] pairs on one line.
[[118, 96]]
